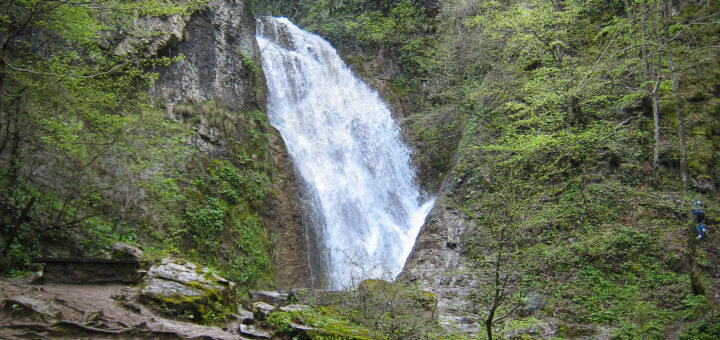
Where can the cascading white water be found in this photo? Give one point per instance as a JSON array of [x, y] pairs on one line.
[[365, 206]]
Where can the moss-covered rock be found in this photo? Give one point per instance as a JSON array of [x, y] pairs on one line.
[[183, 289]]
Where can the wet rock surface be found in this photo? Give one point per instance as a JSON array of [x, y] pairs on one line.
[[254, 332], [435, 264], [283, 217], [244, 316]]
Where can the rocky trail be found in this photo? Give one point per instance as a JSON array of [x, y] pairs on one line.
[[172, 299], [95, 311]]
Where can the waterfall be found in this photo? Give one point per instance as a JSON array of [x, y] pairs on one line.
[[362, 206]]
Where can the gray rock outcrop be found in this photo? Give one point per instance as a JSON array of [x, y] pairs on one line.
[[43, 309], [270, 297], [261, 310], [435, 264], [183, 287], [221, 58], [295, 308], [254, 332], [125, 251], [221, 64]]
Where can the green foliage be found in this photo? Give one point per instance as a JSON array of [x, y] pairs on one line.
[[220, 222], [707, 329], [545, 93], [88, 159], [70, 111], [375, 309], [550, 97], [401, 27], [522, 324]]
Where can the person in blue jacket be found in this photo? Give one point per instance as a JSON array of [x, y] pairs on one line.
[[699, 211]]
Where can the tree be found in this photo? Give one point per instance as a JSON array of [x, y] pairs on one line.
[[70, 108], [495, 245]]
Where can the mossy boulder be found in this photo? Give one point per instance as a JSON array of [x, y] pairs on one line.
[[124, 251], [184, 289]]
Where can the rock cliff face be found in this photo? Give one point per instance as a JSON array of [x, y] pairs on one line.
[[284, 218], [435, 263], [221, 59], [221, 63]]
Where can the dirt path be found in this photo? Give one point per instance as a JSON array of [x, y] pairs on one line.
[[66, 311]]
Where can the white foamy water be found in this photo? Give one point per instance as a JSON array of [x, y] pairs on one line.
[[361, 200]]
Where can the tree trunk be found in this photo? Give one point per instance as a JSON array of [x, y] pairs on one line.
[[13, 232], [2, 111], [655, 99], [14, 156], [695, 283], [681, 126], [643, 50], [488, 325], [678, 106], [656, 122]]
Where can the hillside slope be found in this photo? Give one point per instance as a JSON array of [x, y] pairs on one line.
[[535, 125]]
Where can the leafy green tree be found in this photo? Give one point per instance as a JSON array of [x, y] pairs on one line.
[[493, 247], [71, 110]]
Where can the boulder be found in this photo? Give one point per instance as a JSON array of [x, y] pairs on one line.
[[542, 331], [301, 328], [253, 332], [295, 308], [261, 310], [127, 252], [186, 272], [270, 297], [183, 288], [245, 316], [533, 302]]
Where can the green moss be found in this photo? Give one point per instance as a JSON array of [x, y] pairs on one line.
[[328, 323], [182, 306], [530, 324], [426, 299], [211, 308]]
